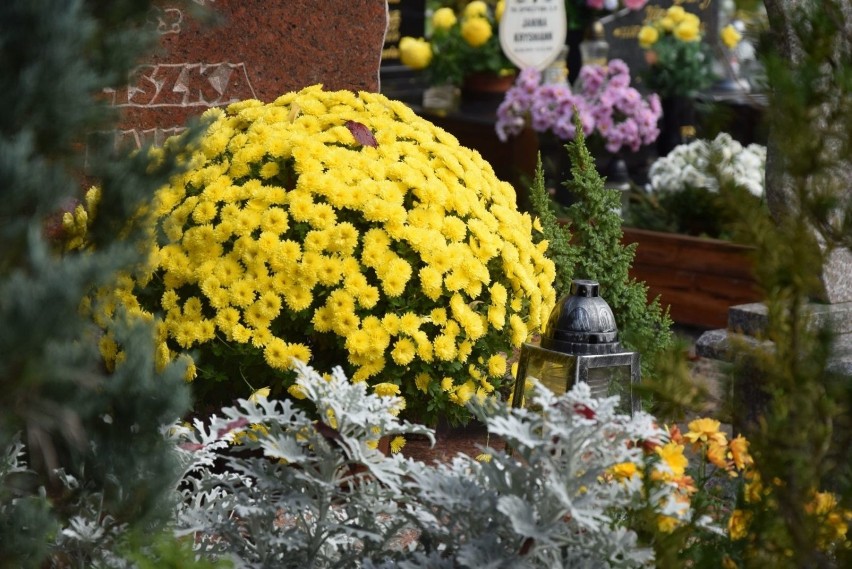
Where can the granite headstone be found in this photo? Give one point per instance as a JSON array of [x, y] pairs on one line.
[[257, 49]]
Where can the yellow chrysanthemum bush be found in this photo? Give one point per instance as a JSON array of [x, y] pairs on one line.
[[342, 229]]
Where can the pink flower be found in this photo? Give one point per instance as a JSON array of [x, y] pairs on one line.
[[635, 4], [608, 108], [595, 4]]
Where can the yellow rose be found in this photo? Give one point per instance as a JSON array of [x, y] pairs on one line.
[[475, 31], [687, 32], [648, 36], [443, 18], [498, 10], [667, 24], [730, 36], [415, 53], [676, 13], [476, 9]]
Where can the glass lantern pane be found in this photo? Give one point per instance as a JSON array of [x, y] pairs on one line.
[[612, 380], [555, 370]]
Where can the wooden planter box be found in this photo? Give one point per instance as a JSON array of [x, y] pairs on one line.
[[698, 278]]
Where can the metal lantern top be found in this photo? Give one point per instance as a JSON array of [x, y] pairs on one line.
[[581, 323]]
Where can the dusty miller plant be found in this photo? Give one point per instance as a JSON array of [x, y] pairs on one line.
[[267, 485]]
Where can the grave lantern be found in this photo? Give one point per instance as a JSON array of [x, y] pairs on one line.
[[580, 343]]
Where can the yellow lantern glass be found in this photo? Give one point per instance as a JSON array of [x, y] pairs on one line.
[[579, 344]]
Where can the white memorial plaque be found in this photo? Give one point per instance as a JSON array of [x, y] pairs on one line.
[[532, 32]]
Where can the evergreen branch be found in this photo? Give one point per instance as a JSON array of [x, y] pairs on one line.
[[557, 235]]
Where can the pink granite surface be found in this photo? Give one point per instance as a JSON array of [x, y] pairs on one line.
[[258, 49]]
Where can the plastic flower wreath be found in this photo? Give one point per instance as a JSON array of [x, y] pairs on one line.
[[610, 109], [341, 229], [460, 44]]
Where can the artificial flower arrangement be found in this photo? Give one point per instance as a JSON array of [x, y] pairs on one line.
[[680, 63], [581, 12], [461, 43], [340, 228], [690, 189], [612, 112]]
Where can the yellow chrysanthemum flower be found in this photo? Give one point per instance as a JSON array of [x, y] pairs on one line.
[[648, 36], [499, 9], [404, 351], [386, 389], [716, 454], [445, 347], [476, 9], [444, 18], [730, 36], [672, 455], [519, 330], [624, 470], [297, 392], [396, 444], [476, 31], [422, 381], [676, 13], [415, 53], [352, 255], [687, 31], [738, 524], [463, 393], [667, 524], [497, 365]]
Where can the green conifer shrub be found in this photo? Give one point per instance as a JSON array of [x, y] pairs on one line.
[[589, 246], [83, 456], [803, 430]]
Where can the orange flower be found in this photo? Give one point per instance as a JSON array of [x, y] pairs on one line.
[[705, 430], [716, 454], [675, 435], [753, 489], [739, 452], [738, 524]]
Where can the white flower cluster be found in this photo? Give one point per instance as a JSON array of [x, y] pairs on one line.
[[710, 164]]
